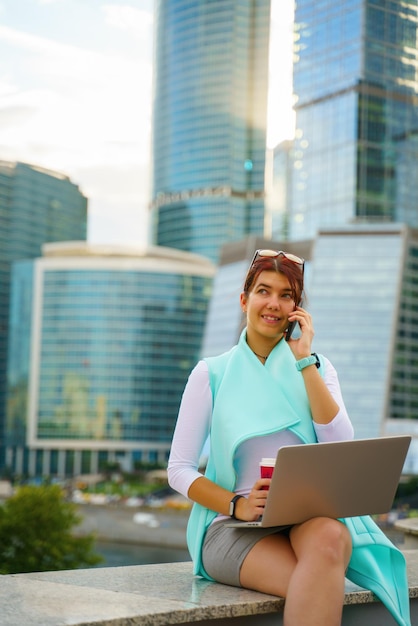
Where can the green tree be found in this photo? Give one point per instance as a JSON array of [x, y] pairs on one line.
[[36, 533]]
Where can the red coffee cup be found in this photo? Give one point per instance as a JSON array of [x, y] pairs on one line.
[[267, 468]]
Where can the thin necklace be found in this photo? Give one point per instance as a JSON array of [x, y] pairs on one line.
[[260, 356]]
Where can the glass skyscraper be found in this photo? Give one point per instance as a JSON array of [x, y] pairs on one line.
[[209, 122], [352, 190], [36, 206], [356, 93], [102, 340], [364, 302]]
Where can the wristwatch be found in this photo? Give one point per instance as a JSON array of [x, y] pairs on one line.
[[313, 359], [232, 505]]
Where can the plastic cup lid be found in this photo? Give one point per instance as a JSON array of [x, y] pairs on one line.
[[268, 461]]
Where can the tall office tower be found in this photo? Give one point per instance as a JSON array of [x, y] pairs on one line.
[[209, 122], [364, 301], [36, 206], [355, 159], [279, 196], [356, 85], [102, 341]]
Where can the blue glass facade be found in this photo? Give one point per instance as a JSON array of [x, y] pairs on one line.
[[225, 319], [280, 198], [403, 397], [355, 157], [209, 125], [353, 302], [36, 206], [364, 301], [356, 85], [110, 344]]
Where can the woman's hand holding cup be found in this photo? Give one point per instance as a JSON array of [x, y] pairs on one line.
[[266, 469]]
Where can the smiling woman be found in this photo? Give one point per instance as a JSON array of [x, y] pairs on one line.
[[263, 394], [275, 267], [267, 306]]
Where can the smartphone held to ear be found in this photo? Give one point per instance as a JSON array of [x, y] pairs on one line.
[[291, 327], [289, 331]]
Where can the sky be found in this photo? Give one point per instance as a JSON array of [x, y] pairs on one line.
[[76, 97]]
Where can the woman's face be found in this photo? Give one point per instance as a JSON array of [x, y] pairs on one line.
[[268, 305]]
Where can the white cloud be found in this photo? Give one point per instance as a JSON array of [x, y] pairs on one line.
[[84, 112], [32, 42], [129, 18]]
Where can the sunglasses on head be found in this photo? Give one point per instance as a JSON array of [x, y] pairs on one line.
[[272, 254]]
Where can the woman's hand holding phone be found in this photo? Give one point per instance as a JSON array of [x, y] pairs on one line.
[[301, 347]]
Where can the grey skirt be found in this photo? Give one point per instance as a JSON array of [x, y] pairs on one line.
[[224, 550]]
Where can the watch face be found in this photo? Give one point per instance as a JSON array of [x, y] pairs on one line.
[[232, 507]]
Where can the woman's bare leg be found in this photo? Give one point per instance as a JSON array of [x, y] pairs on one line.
[[323, 548], [269, 565], [307, 568]]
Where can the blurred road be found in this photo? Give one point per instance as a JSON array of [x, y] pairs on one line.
[[159, 527]]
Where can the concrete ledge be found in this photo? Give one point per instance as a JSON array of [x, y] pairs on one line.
[[160, 595], [409, 527]]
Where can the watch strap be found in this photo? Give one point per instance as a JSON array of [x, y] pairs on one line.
[[232, 505], [312, 359]]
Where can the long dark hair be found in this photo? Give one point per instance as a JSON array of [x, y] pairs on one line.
[[293, 272]]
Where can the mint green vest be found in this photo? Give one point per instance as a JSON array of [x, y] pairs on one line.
[[250, 400]]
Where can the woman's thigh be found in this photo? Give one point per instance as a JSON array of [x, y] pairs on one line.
[[269, 565], [248, 557]]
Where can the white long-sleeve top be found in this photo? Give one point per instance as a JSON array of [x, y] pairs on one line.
[[193, 425]]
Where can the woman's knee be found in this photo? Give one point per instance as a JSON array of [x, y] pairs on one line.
[[326, 538], [335, 540]]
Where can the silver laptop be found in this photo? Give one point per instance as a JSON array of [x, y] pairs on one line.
[[336, 479]]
